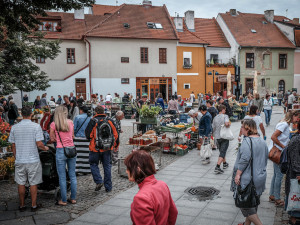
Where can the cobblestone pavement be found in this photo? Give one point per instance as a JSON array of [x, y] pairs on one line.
[[86, 196]]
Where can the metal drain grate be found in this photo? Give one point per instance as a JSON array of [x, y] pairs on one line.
[[202, 193]]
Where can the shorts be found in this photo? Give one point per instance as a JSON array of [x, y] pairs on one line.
[[28, 171], [248, 211], [290, 106], [223, 145]]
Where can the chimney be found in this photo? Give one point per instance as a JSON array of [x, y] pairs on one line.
[[296, 20], [178, 21], [190, 20], [233, 12], [147, 3], [79, 14], [269, 15]]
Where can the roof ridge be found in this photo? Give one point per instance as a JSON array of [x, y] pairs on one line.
[[101, 22], [171, 21]]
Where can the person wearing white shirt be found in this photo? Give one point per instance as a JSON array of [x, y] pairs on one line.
[[268, 103], [192, 97], [108, 98], [291, 99]]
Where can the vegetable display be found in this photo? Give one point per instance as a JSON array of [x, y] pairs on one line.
[[147, 112]]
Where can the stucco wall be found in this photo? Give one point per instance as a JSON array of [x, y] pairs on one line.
[[58, 68], [223, 53], [63, 87], [288, 31], [106, 58], [297, 69], [274, 74], [230, 38]]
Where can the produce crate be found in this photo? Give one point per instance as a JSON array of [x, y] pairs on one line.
[[148, 120], [181, 152]]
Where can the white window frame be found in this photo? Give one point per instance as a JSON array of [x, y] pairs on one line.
[[186, 88], [187, 55]]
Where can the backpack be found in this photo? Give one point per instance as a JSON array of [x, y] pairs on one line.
[[104, 134], [283, 164]]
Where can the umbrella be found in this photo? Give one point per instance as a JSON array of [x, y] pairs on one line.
[[255, 83], [228, 83]]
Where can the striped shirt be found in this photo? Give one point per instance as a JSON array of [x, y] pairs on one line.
[[25, 135]]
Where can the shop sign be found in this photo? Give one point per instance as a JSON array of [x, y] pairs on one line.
[[154, 81], [223, 78]]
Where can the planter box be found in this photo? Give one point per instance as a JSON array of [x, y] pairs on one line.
[[148, 120]]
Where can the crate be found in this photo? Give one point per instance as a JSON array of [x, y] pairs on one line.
[[148, 120], [181, 152]]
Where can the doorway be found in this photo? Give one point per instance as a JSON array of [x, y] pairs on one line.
[[163, 90], [249, 86], [281, 86], [80, 88]]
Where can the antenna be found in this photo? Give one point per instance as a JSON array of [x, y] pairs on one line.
[[286, 12], [117, 2]]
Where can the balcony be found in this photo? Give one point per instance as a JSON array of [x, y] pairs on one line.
[[187, 66]]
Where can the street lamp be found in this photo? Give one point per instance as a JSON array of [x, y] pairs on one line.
[[213, 73]]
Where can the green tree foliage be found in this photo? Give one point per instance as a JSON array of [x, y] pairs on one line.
[[20, 44]]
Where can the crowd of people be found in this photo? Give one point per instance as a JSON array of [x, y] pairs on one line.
[[72, 119]]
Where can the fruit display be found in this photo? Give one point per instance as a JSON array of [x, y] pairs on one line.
[[179, 147]]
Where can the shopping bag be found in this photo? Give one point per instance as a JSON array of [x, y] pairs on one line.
[[205, 151], [226, 133], [294, 196], [212, 141]]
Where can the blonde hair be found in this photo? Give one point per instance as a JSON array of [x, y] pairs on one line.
[[250, 127], [289, 116], [60, 119]]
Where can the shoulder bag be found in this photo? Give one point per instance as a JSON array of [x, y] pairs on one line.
[[70, 152], [225, 132], [274, 154], [247, 198]]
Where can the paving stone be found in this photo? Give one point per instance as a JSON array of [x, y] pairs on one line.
[[11, 206], [188, 211], [19, 221], [215, 221], [109, 209], [116, 202], [184, 220], [121, 220], [3, 206], [52, 218], [7, 215], [97, 218], [24, 214], [76, 222]]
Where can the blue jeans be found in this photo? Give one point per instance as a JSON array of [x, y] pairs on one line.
[[276, 182], [61, 161], [268, 114], [105, 159], [279, 102]]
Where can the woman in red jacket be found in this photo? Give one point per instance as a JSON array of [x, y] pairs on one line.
[[153, 204]]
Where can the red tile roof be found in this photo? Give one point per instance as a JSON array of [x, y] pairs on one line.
[[297, 37], [71, 28], [189, 37], [104, 9], [286, 20], [137, 17], [267, 35]]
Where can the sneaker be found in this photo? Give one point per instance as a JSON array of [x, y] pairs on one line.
[[108, 190], [36, 208], [225, 165], [206, 161], [22, 209], [98, 187], [214, 148], [218, 170]]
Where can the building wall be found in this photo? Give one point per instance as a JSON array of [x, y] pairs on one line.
[[297, 69], [234, 51], [194, 76], [63, 87], [287, 30], [58, 68], [223, 54], [273, 75]]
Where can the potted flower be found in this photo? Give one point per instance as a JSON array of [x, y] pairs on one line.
[[149, 115], [48, 26], [4, 142], [58, 28]]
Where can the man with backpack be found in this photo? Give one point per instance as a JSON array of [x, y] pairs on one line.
[[103, 136]]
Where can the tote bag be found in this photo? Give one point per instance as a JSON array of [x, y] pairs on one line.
[[226, 132], [294, 196], [205, 151]]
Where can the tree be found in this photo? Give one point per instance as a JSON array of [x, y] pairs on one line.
[[20, 44]]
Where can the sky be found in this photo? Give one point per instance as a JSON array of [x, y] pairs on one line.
[[209, 9]]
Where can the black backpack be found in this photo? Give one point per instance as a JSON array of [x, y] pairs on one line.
[[104, 134]]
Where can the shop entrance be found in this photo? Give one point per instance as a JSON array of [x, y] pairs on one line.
[[80, 88]]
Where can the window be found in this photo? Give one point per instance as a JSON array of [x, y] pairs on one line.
[[267, 61], [49, 26], [187, 60], [71, 55], [214, 58], [263, 82], [152, 25], [281, 86], [282, 61], [249, 60], [186, 86], [40, 59], [124, 59], [162, 55], [144, 55], [124, 80]]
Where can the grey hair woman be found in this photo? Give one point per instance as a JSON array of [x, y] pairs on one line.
[[252, 147]]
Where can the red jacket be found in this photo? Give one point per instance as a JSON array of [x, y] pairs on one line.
[[153, 204]]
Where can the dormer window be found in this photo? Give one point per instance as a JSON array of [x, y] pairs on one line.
[[126, 25], [152, 25], [50, 26], [253, 31]]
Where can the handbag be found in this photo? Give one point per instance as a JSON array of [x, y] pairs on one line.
[[225, 132], [247, 198], [274, 154], [294, 196], [284, 165], [70, 152], [206, 151]]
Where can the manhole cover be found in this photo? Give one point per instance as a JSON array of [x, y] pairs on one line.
[[202, 193]]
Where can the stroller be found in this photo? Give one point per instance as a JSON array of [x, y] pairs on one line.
[[50, 175]]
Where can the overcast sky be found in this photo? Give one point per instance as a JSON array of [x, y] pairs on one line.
[[209, 9]]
